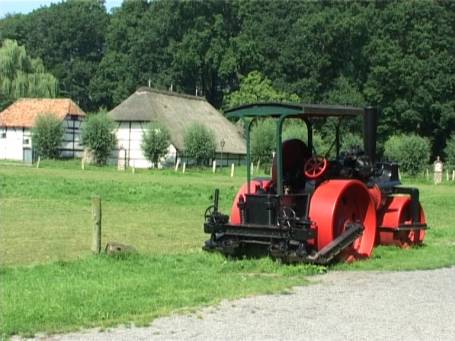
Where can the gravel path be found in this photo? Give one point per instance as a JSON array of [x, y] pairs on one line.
[[418, 305]]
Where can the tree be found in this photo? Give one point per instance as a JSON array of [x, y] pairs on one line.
[[47, 135], [199, 143], [155, 142], [412, 152], [257, 88], [69, 37], [450, 150], [411, 69], [98, 136], [22, 76]]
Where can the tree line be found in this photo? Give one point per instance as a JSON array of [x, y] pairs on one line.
[[398, 55]]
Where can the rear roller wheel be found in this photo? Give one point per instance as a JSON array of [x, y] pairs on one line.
[[337, 203], [398, 213]]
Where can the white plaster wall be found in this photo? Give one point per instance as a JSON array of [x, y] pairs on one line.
[[129, 137], [12, 143]]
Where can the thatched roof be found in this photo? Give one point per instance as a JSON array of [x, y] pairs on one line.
[[177, 112], [24, 111]]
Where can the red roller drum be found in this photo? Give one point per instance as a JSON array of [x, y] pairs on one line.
[[336, 203], [399, 212], [377, 196]]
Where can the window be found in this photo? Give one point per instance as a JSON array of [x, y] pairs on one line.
[[26, 142], [3, 135]]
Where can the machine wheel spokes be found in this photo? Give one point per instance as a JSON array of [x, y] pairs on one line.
[[315, 167]]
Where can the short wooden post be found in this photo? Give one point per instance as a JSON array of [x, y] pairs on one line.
[[252, 168], [453, 175], [96, 215], [177, 164], [133, 168], [232, 170], [184, 167], [37, 162], [427, 174], [447, 175], [83, 163], [214, 166]]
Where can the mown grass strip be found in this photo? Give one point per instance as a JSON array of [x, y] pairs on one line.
[[104, 291]]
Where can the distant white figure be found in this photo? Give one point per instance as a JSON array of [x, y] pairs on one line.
[[438, 168], [121, 160]]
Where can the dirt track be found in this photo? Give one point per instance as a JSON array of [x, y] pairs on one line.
[[417, 305]]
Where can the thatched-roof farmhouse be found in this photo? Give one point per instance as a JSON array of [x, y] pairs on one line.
[[17, 120], [177, 112]]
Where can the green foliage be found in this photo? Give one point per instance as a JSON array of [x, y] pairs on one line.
[[263, 141], [47, 134], [351, 142], [155, 142], [412, 152], [69, 38], [295, 129], [200, 144], [22, 76], [450, 150], [98, 136], [257, 88], [395, 55]]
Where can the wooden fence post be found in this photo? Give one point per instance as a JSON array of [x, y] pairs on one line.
[[39, 160], [453, 175], [96, 215], [214, 166], [447, 175], [177, 164], [232, 170], [184, 167]]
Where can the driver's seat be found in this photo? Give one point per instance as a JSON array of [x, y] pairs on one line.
[[295, 153]]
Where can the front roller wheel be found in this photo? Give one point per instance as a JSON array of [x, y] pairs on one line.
[[337, 203]]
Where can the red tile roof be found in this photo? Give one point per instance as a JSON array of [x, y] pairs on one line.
[[24, 111]]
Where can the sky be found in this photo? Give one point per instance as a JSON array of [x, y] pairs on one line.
[[26, 6]]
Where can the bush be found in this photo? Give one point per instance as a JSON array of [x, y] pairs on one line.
[[98, 136], [155, 142], [295, 129], [47, 135], [412, 152], [262, 141], [450, 150], [199, 143]]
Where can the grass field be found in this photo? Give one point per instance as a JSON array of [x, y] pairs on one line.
[[50, 282]]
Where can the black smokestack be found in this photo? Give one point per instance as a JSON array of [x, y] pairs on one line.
[[370, 124]]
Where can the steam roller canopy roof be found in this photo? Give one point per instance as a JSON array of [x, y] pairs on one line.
[[289, 109]]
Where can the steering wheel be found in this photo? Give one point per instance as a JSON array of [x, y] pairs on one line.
[[315, 167]]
